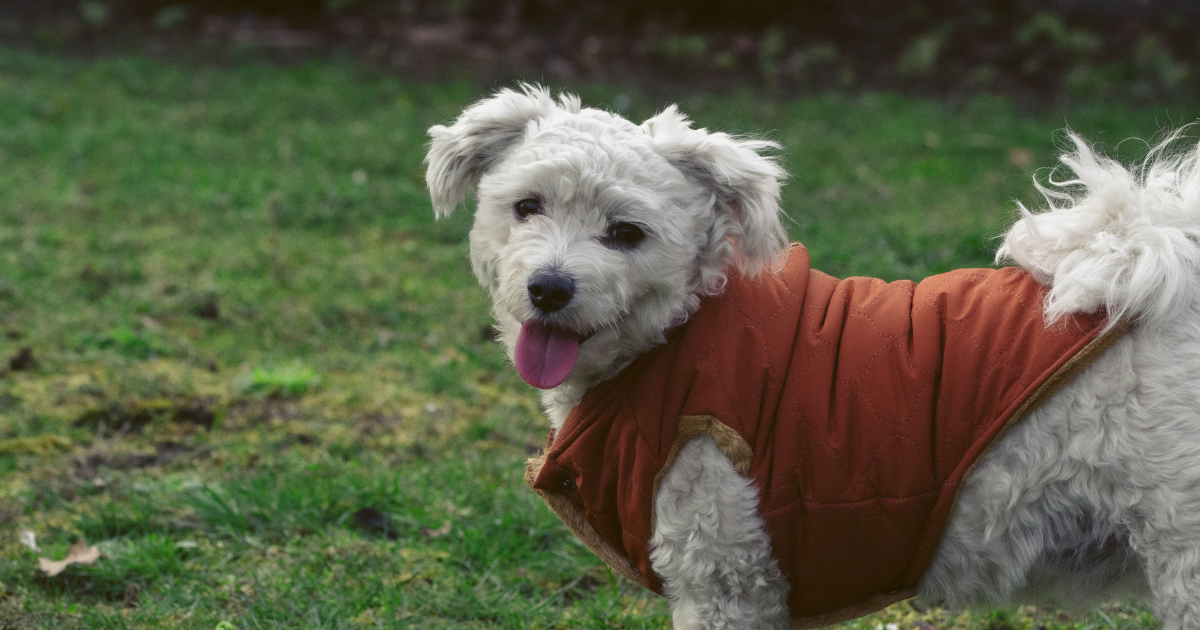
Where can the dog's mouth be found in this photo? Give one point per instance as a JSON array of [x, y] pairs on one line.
[[545, 354]]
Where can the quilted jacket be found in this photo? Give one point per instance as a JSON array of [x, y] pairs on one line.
[[857, 407]]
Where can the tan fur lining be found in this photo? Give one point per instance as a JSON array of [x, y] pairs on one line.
[[576, 520], [738, 451], [729, 441]]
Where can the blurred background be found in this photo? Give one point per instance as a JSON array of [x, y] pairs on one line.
[[240, 360], [1030, 50]]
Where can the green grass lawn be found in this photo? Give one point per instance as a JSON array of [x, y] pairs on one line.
[[262, 380]]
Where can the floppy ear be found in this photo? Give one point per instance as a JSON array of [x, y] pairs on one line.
[[744, 184], [461, 153]]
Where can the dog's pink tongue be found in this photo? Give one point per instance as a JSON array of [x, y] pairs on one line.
[[545, 355]]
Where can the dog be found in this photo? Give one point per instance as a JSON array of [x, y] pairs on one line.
[[598, 239]]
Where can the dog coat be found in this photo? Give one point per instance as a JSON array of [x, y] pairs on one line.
[[857, 408]]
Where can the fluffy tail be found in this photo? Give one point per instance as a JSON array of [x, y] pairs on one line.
[[1124, 239]]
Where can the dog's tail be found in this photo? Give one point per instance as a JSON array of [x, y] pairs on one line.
[[1124, 239]]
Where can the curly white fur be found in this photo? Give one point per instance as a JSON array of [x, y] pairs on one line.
[[1096, 492], [711, 542], [1125, 240]]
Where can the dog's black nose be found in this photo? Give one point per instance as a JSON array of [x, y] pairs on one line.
[[551, 291]]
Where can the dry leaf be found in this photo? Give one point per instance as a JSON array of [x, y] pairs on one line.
[[1020, 157], [441, 531], [79, 553], [29, 539]]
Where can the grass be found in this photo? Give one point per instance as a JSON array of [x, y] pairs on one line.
[[260, 376], [288, 381]]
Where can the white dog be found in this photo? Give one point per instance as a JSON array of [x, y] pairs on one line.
[[596, 236]]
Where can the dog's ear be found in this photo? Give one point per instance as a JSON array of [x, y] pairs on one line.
[[461, 153], [743, 181]]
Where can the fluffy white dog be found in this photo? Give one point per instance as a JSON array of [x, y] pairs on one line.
[[595, 236]]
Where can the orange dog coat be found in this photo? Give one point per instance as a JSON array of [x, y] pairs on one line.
[[856, 406]]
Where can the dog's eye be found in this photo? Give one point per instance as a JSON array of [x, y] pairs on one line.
[[526, 207], [623, 235]]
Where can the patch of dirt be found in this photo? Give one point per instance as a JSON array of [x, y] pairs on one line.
[[129, 596], [375, 523], [207, 307], [166, 452], [22, 360], [134, 414], [85, 468], [253, 411], [376, 424], [95, 283], [9, 514]]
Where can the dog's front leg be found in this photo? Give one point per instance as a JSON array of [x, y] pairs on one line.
[[710, 548]]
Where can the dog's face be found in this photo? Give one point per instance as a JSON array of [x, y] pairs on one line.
[[595, 235]]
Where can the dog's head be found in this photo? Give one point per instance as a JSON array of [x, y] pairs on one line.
[[595, 235]]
